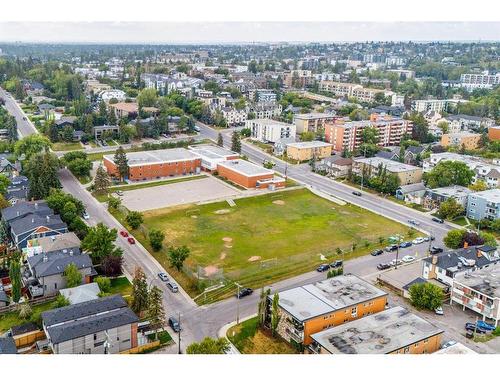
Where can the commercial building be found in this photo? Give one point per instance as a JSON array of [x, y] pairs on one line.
[[479, 291], [349, 135], [249, 175], [484, 205], [144, 165], [407, 174], [393, 331], [467, 140], [100, 326], [265, 130], [313, 308], [312, 122], [302, 151], [212, 155]]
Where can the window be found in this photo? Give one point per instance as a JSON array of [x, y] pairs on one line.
[[426, 341], [406, 350]]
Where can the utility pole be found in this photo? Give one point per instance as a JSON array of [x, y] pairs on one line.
[[397, 250], [179, 334], [238, 304]]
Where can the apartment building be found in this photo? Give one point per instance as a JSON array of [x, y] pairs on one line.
[[393, 331], [233, 116], [494, 133], [484, 205], [468, 123], [434, 197], [403, 73], [485, 80], [262, 95], [144, 165], [302, 151], [467, 140], [298, 78], [349, 135], [266, 130], [352, 90], [312, 122], [249, 175], [268, 110], [436, 105], [313, 308], [407, 174], [479, 291]]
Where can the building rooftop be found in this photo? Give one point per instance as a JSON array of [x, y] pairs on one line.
[[314, 116], [309, 144], [59, 242], [267, 121], [452, 191], [81, 293], [245, 167], [457, 348], [308, 301], [156, 156], [485, 281], [127, 107], [380, 333], [55, 262], [211, 151], [7, 345], [391, 165], [492, 195]]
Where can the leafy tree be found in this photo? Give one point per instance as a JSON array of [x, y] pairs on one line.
[[101, 181], [177, 256], [121, 163], [134, 219], [30, 145], [275, 314], [454, 239], [479, 185], [369, 135], [114, 203], [42, 171], [307, 136], [80, 167], [489, 239], [15, 279], [24, 310], [262, 305], [78, 226], [236, 142], [209, 345], [139, 291], [155, 310], [156, 238], [220, 140], [104, 284], [99, 242], [60, 301], [112, 265], [4, 203], [447, 173], [72, 275], [147, 98], [450, 209], [426, 296]]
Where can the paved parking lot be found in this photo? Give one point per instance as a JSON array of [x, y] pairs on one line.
[[205, 189]]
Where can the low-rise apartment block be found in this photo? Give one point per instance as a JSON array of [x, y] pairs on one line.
[[494, 133], [393, 331], [407, 174], [467, 140], [484, 205], [265, 130], [263, 110], [249, 175], [434, 197], [352, 90], [312, 122], [484, 80], [436, 105], [302, 151]]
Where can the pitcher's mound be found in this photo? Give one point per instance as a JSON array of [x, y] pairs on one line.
[[279, 202], [254, 258], [222, 212]]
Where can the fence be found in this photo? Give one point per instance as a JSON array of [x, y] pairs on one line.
[[35, 302]]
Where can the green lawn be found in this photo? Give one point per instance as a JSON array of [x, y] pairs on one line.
[[266, 238], [66, 146], [10, 319], [121, 285]]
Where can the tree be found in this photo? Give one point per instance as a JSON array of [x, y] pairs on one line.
[[104, 284], [264, 295], [60, 301], [101, 181], [42, 171], [114, 203], [426, 296], [479, 185], [134, 219], [155, 310], [209, 346], [177, 256], [24, 310], [307, 136], [450, 209], [112, 265], [447, 173], [236, 142], [99, 242], [220, 140], [80, 167], [139, 291], [369, 135], [454, 239], [4, 183], [275, 314], [4, 203], [156, 238], [15, 279], [30, 145], [121, 163], [72, 275], [147, 98]]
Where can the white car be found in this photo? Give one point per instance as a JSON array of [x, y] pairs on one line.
[[394, 262], [439, 310], [86, 215], [408, 258], [417, 241]]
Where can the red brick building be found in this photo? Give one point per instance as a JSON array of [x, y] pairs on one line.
[[249, 175]]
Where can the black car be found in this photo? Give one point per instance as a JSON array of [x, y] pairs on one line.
[[336, 264], [436, 250], [391, 248], [174, 324], [356, 193], [438, 220], [383, 266], [377, 252], [323, 268], [405, 244], [244, 292]]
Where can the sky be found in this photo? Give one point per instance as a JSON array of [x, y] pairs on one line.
[[244, 32]]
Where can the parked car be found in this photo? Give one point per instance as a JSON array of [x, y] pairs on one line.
[[413, 222], [405, 244], [377, 252], [408, 259], [119, 192], [323, 268], [383, 266], [124, 233], [356, 193], [436, 250], [163, 276], [395, 262], [131, 240], [244, 292], [172, 286], [196, 128], [86, 215], [427, 239], [418, 240], [439, 311], [336, 264], [482, 324], [447, 344], [438, 220], [391, 248], [472, 327], [174, 324]]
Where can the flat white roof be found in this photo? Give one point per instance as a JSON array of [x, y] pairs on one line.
[[156, 156], [211, 151], [270, 122], [492, 195], [313, 115], [245, 168], [391, 165], [309, 144]]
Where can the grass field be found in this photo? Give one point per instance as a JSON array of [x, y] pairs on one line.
[[10, 319], [66, 146], [266, 238]]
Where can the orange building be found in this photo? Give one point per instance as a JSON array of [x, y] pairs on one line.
[[392, 331], [494, 133], [249, 175], [313, 308], [463, 139], [147, 165]]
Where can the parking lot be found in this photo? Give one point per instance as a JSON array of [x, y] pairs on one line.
[[205, 189]]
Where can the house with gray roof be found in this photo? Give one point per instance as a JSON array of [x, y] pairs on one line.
[[7, 345], [4, 298], [412, 193], [99, 326], [35, 226], [18, 189]]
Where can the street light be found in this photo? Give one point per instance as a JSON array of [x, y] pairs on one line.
[[179, 334], [400, 237], [238, 304]]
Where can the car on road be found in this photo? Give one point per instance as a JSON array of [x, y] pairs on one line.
[[123, 233], [24, 118], [408, 259], [119, 192], [405, 244], [438, 220], [377, 252], [86, 215], [172, 286], [436, 250], [447, 344], [391, 248], [174, 324], [196, 128], [323, 268], [383, 266], [336, 264], [131, 240], [427, 239], [413, 222], [395, 262], [244, 292], [356, 193], [418, 240], [439, 311], [163, 276]]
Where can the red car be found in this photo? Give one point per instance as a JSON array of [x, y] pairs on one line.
[[131, 240], [124, 233]]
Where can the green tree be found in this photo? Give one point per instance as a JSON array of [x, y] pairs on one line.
[[155, 311], [447, 173], [147, 98], [80, 167], [31, 145], [114, 203], [209, 345], [450, 209], [307, 136], [156, 238], [15, 279], [454, 239], [121, 163], [104, 284], [236, 142], [4, 183], [264, 295], [426, 296], [101, 181], [177, 256], [42, 171], [369, 135], [24, 310], [60, 301], [220, 140], [139, 291], [134, 219], [275, 314], [479, 185], [99, 242], [72, 275]]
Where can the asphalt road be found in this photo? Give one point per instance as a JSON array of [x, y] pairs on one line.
[[24, 127]]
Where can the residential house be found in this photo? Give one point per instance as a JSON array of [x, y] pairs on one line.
[[81, 293], [18, 190], [7, 168], [7, 345], [334, 166], [302, 151], [102, 131], [65, 121], [407, 174], [67, 240], [434, 197], [412, 193], [279, 147]]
